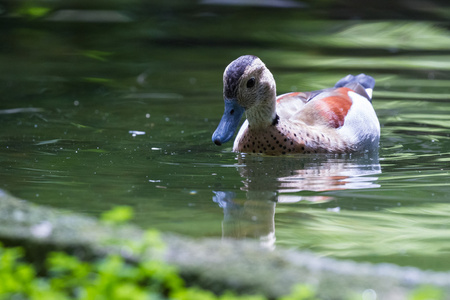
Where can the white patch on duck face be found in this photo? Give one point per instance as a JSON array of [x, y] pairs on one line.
[[361, 127]]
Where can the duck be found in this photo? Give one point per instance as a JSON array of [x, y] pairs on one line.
[[335, 120]]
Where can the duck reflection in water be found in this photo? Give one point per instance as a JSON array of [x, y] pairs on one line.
[[271, 180]]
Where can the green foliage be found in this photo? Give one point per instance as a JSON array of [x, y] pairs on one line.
[[118, 215], [110, 278], [427, 293], [301, 292], [15, 277], [199, 294]]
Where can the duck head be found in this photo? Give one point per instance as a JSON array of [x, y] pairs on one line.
[[248, 86]]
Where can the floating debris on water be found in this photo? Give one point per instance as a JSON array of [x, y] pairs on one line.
[[136, 132]]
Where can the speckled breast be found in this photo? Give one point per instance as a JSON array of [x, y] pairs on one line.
[[290, 138]]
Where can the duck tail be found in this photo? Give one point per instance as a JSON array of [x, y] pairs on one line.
[[350, 81]]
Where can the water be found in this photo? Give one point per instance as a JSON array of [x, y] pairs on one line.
[[95, 115]]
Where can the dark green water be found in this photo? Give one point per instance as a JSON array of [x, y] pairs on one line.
[[98, 114]]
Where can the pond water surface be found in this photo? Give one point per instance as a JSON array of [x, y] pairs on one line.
[[97, 114]]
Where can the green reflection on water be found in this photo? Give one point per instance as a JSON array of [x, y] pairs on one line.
[[403, 235]]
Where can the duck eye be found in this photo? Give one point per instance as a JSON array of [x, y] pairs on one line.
[[251, 82]]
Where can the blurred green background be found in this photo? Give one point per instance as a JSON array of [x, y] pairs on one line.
[[107, 103]]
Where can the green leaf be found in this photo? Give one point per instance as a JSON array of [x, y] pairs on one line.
[[118, 215]]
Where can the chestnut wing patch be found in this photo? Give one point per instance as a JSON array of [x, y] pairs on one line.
[[334, 108], [328, 108]]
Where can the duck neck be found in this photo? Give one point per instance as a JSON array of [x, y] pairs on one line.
[[262, 115]]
